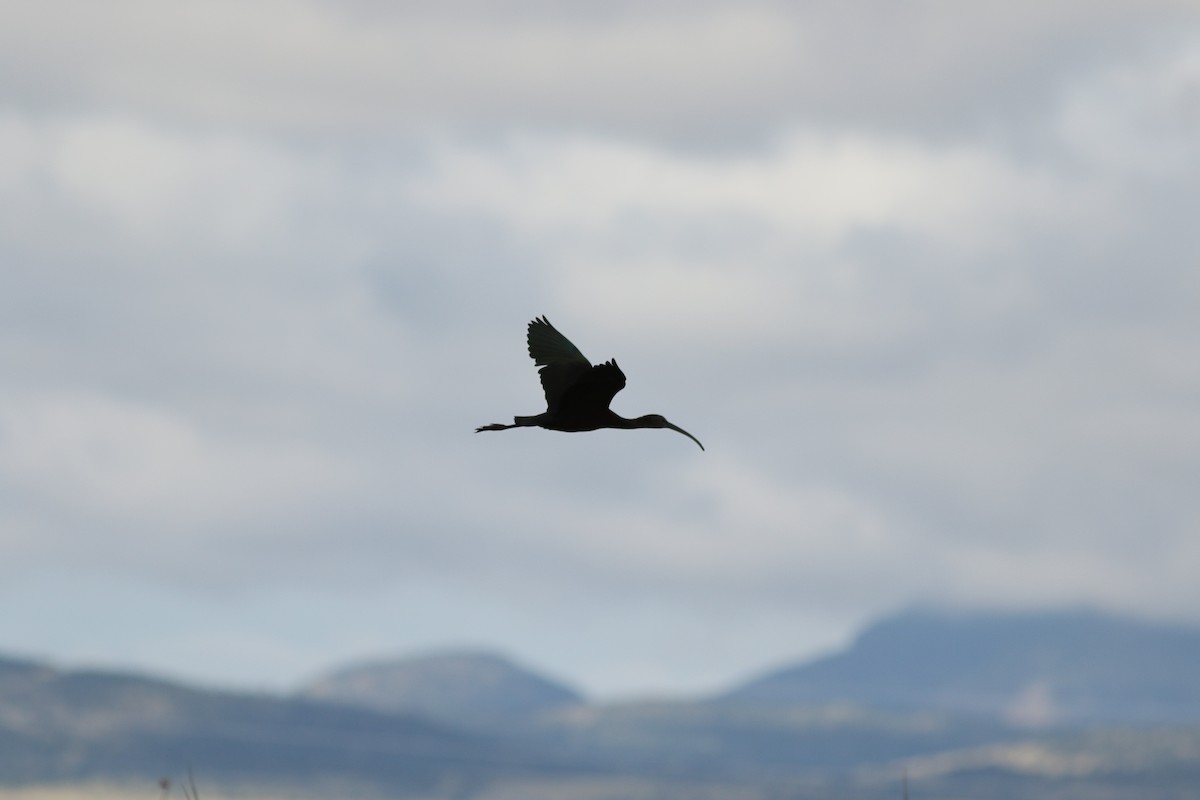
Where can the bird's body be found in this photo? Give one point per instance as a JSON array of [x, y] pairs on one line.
[[578, 393]]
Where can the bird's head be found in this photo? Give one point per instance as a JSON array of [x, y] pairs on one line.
[[659, 421]]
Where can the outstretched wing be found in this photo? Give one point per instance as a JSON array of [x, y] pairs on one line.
[[548, 346], [562, 365], [591, 394]]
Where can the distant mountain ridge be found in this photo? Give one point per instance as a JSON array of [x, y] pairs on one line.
[[458, 686], [60, 725], [1031, 668], [490, 729]]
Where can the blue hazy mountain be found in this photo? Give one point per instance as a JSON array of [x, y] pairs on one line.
[[1027, 668], [60, 725], [460, 686], [931, 694]]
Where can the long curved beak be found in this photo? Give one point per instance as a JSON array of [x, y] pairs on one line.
[[685, 433]]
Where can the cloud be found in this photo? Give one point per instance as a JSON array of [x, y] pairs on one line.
[[730, 72], [1140, 118], [788, 244], [326, 68], [159, 187], [133, 475], [922, 281], [820, 189]]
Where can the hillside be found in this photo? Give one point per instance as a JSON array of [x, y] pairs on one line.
[[77, 725], [464, 687], [1031, 669], [933, 695]]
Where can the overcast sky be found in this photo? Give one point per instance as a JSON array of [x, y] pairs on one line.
[[924, 277]]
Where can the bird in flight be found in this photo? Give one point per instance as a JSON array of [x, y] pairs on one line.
[[577, 392]]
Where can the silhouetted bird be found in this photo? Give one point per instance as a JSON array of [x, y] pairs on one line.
[[577, 393]]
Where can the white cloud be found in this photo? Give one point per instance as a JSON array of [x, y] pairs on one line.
[[769, 245], [696, 70], [736, 526], [1141, 116], [314, 66], [130, 464], [159, 186], [815, 188], [936, 331]]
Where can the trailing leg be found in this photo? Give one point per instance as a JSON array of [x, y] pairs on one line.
[[518, 422]]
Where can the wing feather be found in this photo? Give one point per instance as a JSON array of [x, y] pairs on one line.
[[562, 365], [548, 346], [593, 391]]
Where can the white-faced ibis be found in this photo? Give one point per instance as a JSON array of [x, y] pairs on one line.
[[577, 393]]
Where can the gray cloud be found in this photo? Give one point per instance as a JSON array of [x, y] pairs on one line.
[[930, 305], [725, 70]]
